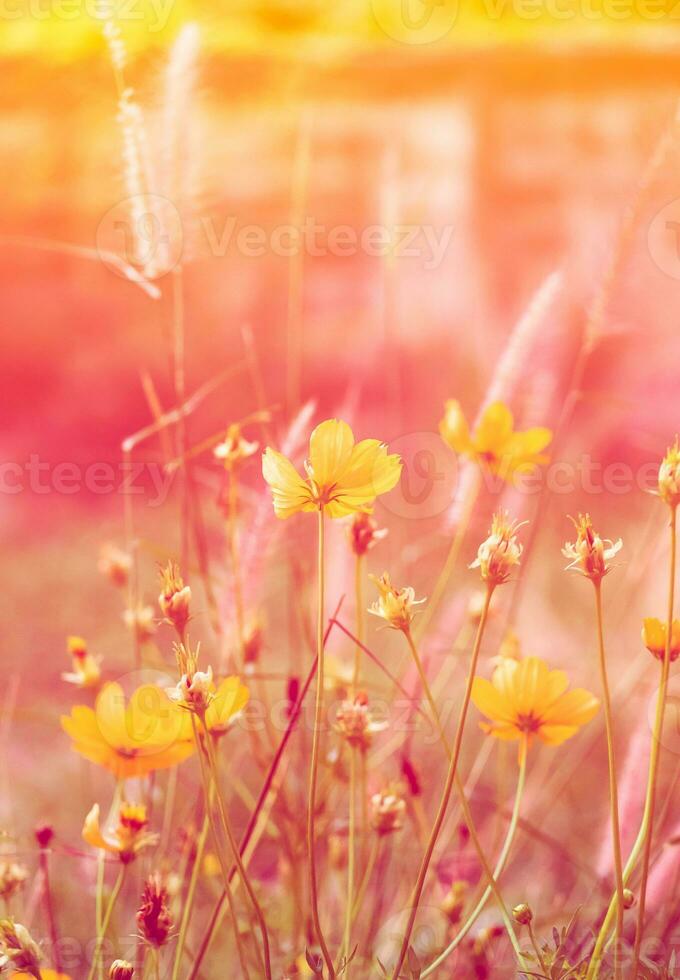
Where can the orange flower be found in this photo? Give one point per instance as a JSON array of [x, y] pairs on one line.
[[495, 444], [86, 671], [343, 477], [654, 634], [131, 740], [525, 698], [129, 837]]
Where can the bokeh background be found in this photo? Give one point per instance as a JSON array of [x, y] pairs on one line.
[[531, 139]]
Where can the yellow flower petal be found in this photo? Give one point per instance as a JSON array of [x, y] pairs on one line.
[[290, 493], [489, 700], [494, 429], [231, 698], [574, 708], [330, 448], [92, 834], [454, 429]]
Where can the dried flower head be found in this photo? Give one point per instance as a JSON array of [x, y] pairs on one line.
[[355, 722], [141, 621], [654, 637], [115, 564], [195, 687], [668, 487], [500, 552], [394, 605], [342, 477], [129, 837], [121, 970], [153, 916], [44, 834], [453, 903], [495, 444], [363, 533], [18, 950], [590, 554], [175, 597], [388, 810], [235, 448], [12, 878], [86, 671]]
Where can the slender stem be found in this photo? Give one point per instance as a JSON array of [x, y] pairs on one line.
[[208, 794], [232, 520], [613, 788], [537, 950], [350, 854], [647, 815], [366, 877], [450, 563], [358, 592], [467, 815], [448, 787], [656, 748], [500, 865], [311, 807], [106, 921], [189, 900], [49, 907], [243, 874]]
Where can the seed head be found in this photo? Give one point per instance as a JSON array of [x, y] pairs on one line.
[[153, 917], [363, 533], [500, 552], [522, 914], [175, 597], [121, 970]]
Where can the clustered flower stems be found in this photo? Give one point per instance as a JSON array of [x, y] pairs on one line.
[[448, 787], [96, 964], [491, 876], [656, 739]]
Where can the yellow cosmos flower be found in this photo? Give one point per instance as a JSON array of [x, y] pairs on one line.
[[526, 698], [495, 443], [342, 477], [131, 740], [129, 837], [654, 638]]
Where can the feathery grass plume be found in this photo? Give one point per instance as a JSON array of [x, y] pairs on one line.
[[506, 376]]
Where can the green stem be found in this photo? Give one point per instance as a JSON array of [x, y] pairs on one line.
[[654, 758], [243, 874], [106, 921], [318, 709], [613, 788], [448, 787], [497, 871], [189, 900], [648, 812]]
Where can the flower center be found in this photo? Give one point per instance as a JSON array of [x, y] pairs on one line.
[[528, 723]]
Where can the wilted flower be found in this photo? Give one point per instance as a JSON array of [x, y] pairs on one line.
[[175, 597], [17, 949], [142, 621], [129, 837], [86, 671], [500, 552], [495, 444], [394, 605], [590, 554], [115, 564], [525, 698], [12, 878], [363, 533], [669, 476], [654, 635], [149, 733], [342, 477], [195, 687], [121, 970], [356, 724], [235, 448], [387, 811], [154, 917]]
